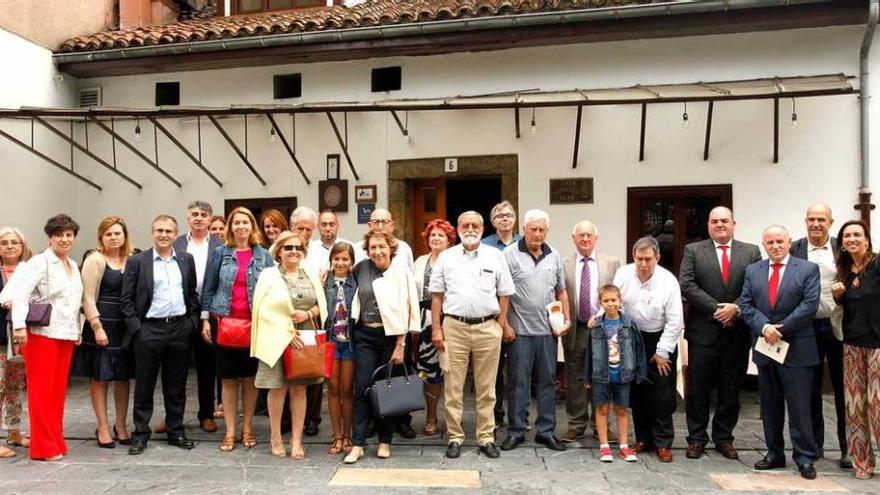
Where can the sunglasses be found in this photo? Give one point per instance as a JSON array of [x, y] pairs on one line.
[[291, 247]]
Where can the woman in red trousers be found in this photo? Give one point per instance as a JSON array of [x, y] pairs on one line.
[[52, 277]]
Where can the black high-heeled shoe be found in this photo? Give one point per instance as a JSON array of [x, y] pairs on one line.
[[109, 445], [122, 441]]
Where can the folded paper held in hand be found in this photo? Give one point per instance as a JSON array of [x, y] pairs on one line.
[[776, 352]]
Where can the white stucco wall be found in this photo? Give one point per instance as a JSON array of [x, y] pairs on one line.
[[819, 159], [32, 189]]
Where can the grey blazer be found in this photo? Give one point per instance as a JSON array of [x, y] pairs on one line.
[[608, 266], [702, 286]]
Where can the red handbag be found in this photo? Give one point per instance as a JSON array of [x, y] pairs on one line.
[[234, 333]]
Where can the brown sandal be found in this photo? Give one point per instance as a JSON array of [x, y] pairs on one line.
[[6, 453], [248, 440], [228, 444], [336, 446], [346, 444], [16, 439]]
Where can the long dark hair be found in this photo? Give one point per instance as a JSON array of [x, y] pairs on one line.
[[844, 259]]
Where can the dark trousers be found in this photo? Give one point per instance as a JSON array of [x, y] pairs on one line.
[[722, 366], [206, 372], [372, 348], [782, 386], [830, 349], [500, 385], [164, 346], [532, 358], [410, 357], [653, 402], [314, 402]]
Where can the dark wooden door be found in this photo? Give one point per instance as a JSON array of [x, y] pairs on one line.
[[429, 202]]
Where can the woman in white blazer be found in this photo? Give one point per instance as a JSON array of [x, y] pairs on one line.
[[386, 308]]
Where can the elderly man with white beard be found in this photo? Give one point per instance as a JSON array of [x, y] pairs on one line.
[[471, 287]]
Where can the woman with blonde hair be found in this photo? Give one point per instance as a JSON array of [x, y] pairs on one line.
[[288, 302], [227, 296], [13, 250], [101, 356]]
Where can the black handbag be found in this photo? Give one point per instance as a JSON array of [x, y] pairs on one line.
[[395, 396]]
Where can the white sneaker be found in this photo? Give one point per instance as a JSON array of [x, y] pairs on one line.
[[355, 455]]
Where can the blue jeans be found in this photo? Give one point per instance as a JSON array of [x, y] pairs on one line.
[[532, 356]]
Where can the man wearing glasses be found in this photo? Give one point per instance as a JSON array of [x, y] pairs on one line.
[[503, 218], [381, 222]]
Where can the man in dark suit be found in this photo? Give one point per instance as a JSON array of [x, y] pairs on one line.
[[711, 279], [199, 243], [778, 302], [820, 248], [161, 310]]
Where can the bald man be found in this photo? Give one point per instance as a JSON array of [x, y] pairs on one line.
[[820, 248], [779, 300], [381, 222], [711, 278]]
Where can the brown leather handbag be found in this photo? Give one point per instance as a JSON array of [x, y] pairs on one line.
[[303, 364]]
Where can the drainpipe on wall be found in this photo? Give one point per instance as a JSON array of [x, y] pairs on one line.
[[864, 205]]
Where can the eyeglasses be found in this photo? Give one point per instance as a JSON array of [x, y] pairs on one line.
[[291, 247], [503, 215], [380, 221], [11, 243]]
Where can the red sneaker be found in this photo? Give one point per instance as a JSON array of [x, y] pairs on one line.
[[628, 454], [605, 454]]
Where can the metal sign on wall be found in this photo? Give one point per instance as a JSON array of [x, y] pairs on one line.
[[571, 191]]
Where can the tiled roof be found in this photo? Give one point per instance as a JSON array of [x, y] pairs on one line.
[[366, 14]]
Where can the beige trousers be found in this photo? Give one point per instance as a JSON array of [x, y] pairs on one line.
[[482, 342]]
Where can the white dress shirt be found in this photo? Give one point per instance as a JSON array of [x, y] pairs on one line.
[[824, 257], [719, 252], [199, 252], [594, 283], [654, 305], [44, 277], [319, 255], [404, 256], [784, 263]]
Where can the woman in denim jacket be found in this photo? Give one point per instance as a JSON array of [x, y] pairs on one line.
[[339, 290], [228, 292], [615, 358]]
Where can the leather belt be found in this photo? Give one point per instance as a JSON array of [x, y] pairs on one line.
[[472, 321], [165, 319]]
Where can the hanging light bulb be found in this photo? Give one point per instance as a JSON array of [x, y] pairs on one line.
[[272, 136], [685, 122], [137, 130], [794, 117], [534, 127], [406, 138]]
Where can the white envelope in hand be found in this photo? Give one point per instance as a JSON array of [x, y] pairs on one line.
[[776, 352]]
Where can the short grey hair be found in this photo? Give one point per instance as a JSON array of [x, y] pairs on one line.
[[586, 224], [470, 213], [501, 206], [200, 205], [301, 212], [536, 215], [647, 242], [776, 227]]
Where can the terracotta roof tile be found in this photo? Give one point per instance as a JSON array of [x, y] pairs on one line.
[[366, 14]]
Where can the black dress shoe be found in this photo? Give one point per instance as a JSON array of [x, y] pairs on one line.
[[182, 443], [845, 462], [808, 472], [108, 445], [405, 430], [122, 441], [453, 450], [767, 463], [311, 429], [511, 442], [694, 450], [137, 447], [490, 450], [551, 443]]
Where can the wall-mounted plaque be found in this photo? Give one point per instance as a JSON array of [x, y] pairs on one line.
[[571, 191], [333, 195]]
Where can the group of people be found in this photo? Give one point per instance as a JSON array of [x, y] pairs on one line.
[[235, 293]]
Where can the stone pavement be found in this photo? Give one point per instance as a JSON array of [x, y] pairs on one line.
[[416, 466]]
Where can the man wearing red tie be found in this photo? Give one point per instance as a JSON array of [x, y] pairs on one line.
[[778, 302], [711, 278]]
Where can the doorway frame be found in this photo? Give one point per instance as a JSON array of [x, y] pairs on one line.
[[402, 174]]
